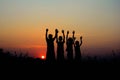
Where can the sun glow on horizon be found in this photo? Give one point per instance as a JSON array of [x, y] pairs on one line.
[[43, 57]]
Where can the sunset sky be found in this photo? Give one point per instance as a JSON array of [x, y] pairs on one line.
[[23, 24]]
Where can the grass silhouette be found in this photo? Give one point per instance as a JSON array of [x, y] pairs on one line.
[[9, 58]]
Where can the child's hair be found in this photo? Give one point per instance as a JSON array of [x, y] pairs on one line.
[[60, 38], [77, 43], [70, 40], [50, 36]]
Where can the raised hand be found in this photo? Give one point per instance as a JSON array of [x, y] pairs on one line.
[[46, 30], [67, 32], [56, 30], [73, 32], [62, 31], [81, 37], [81, 40]]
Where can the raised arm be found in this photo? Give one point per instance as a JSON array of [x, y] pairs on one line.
[[74, 36], [57, 38], [46, 35], [56, 32], [67, 36], [81, 41], [63, 36]]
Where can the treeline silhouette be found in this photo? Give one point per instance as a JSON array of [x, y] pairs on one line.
[[13, 58]]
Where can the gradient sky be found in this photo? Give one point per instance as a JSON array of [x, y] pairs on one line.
[[23, 23]]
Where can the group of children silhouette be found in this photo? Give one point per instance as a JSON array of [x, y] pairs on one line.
[[70, 43]]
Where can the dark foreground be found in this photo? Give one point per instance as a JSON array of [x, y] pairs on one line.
[[34, 66], [9, 59]]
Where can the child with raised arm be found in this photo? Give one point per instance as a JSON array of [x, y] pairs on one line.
[[69, 49], [50, 57], [60, 47], [77, 46]]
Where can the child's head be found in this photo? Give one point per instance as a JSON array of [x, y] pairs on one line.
[[60, 38], [77, 43], [50, 36], [70, 40]]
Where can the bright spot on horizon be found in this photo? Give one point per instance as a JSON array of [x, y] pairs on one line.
[[42, 57]]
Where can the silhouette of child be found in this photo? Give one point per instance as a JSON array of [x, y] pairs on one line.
[[77, 50], [70, 43], [50, 57], [60, 47]]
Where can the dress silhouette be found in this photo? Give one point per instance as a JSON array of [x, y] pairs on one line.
[[78, 50], [69, 49], [60, 47], [50, 56]]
